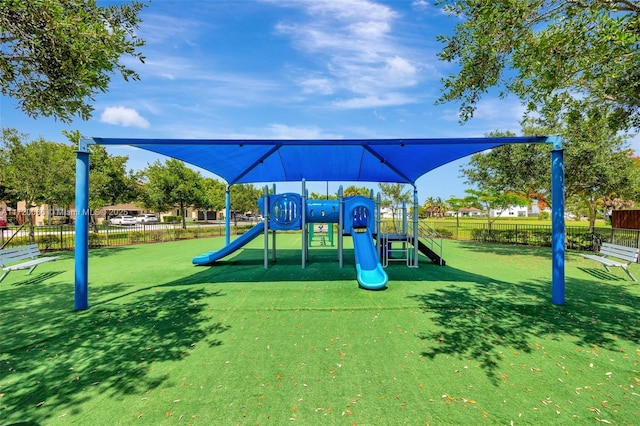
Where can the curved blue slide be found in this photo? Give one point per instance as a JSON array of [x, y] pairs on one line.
[[241, 241], [370, 273]]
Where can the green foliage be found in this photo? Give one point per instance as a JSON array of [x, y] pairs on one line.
[[214, 194], [244, 198], [544, 216], [96, 240], [560, 51], [487, 200], [353, 190], [38, 172], [55, 56], [518, 168], [171, 219], [598, 164], [393, 196], [110, 183], [444, 232], [170, 184], [434, 207]]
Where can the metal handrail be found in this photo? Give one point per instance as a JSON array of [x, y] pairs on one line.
[[14, 234], [431, 236]]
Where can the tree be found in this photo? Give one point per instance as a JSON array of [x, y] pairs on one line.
[[497, 201], [598, 164], [318, 196], [55, 56], [244, 198], [38, 172], [214, 195], [457, 203], [546, 52], [171, 184], [353, 190], [435, 207], [110, 183], [393, 196], [523, 169]]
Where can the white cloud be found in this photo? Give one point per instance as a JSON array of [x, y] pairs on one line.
[[353, 42], [122, 116], [389, 99], [318, 85], [284, 131]]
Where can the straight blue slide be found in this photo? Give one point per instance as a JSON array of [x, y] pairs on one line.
[[238, 243], [370, 273]]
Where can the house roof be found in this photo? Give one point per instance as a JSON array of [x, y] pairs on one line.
[[365, 160]]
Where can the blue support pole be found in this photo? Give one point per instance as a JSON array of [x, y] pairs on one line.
[[415, 227], [82, 226], [304, 224], [265, 202], [227, 215], [557, 224], [340, 227]]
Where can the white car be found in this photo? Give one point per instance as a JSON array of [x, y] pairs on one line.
[[147, 218], [122, 220]]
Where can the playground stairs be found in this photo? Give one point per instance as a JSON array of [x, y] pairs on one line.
[[430, 243]]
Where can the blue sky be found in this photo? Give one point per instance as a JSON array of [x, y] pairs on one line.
[[286, 70]]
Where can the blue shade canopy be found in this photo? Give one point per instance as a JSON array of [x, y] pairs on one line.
[[364, 160]]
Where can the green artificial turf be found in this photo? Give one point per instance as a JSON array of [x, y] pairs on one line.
[[165, 342]]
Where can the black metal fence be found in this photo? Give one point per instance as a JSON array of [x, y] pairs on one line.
[[576, 237], [62, 237]]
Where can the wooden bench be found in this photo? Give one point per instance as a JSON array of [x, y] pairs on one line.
[[9, 256], [629, 254]]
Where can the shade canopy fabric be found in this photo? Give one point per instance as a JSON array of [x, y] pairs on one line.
[[363, 160]]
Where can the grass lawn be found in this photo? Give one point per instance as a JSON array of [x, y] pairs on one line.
[[165, 342]]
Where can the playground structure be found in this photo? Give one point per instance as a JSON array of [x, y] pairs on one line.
[[355, 216], [239, 161]]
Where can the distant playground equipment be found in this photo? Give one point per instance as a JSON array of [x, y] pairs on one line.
[[355, 216]]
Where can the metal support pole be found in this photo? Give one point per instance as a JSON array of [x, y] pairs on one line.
[[273, 233], [82, 226], [265, 203], [378, 234], [227, 215], [340, 226], [405, 224], [557, 224], [304, 224], [416, 234]]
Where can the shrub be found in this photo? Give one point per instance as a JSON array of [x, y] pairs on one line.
[[49, 241], [96, 240], [171, 219], [444, 232], [136, 236]]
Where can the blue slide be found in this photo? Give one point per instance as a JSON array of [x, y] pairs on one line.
[[241, 241], [370, 273]]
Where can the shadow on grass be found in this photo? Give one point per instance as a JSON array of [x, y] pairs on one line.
[[52, 360], [478, 321], [247, 266], [506, 249], [601, 274]]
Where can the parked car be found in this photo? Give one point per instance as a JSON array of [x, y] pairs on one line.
[[147, 218], [122, 220], [3, 223]]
